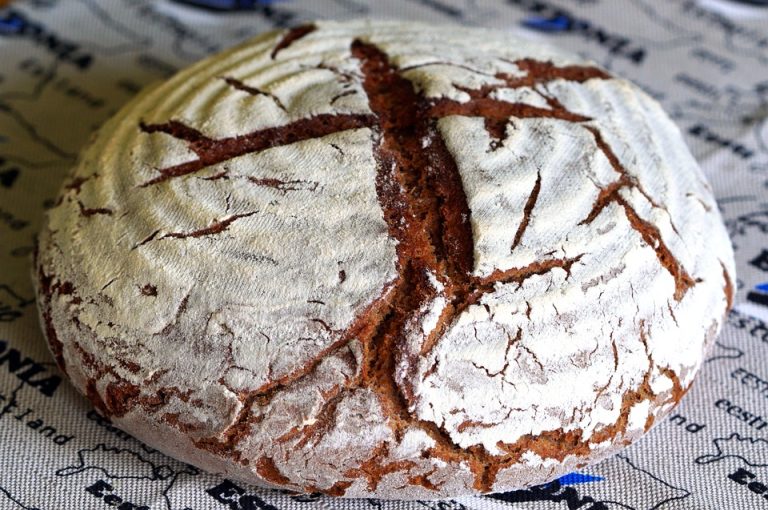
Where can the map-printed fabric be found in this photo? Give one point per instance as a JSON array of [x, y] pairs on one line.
[[68, 65]]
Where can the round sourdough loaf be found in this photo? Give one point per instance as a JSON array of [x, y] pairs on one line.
[[386, 260]]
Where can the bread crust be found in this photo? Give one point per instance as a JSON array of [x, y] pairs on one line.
[[342, 259]]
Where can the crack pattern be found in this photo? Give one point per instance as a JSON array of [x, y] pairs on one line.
[[211, 152], [649, 232], [292, 36], [239, 85], [216, 227], [529, 205], [422, 197]]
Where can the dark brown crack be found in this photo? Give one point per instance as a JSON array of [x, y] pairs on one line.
[[284, 186], [267, 469], [89, 360], [338, 489], [672, 314], [518, 275], [216, 227], [323, 324], [147, 239], [677, 388], [652, 237], [510, 342], [177, 316], [607, 195], [343, 94], [93, 395], [324, 422], [458, 239], [76, 183], [551, 444], [469, 424], [644, 341], [629, 400], [149, 290], [625, 178], [180, 131], [211, 152], [538, 73], [176, 420], [497, 113], [88, 212], [529, 205], [419, 185], [291, 36], [480, 286], [131, 366], [237, 84], [728, 289], [110, 282], [429, 182], [611, 194], [375, 468], [119, 397], [345, 77], [380, 352], [363, 328], [226, 443], [379, 328], [268, 182], [541, 73], [424, 481]]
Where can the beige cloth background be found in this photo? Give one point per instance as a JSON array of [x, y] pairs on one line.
[[65, 66]]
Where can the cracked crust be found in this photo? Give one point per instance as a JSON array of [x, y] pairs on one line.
[[336, 260]]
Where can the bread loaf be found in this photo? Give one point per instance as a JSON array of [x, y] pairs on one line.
[[379, 259]]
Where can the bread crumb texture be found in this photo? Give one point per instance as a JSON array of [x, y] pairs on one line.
[[378, 259]]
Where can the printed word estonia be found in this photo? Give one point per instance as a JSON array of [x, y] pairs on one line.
[[756, 328], [235, 497], [27, 370], [103, 490], [753, 420], [748, 479], [751, 381]]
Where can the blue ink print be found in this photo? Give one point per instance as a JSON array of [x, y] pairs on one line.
[[559, 23], [759, 295], [11, 24], [577, 478]]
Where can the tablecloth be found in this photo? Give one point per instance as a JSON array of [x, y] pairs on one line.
[[66, 66]]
